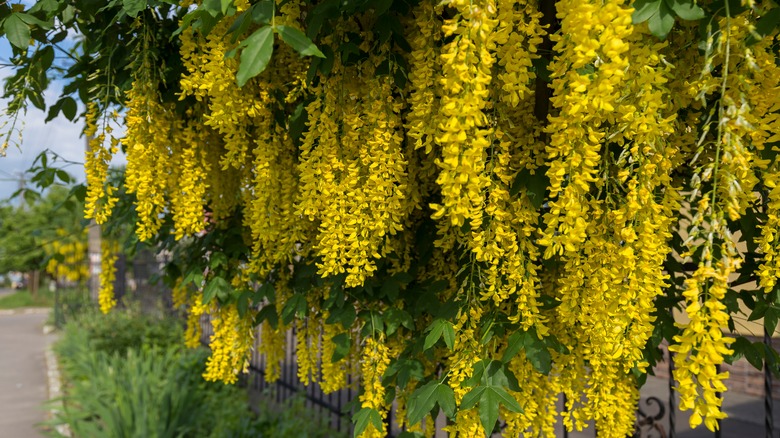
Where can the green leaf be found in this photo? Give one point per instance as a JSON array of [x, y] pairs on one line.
[[421, 402], [536, 352], [535, 185], [395, 318], [445, 396], [266, 291], [380, 6], [218, 259], [256, 54], [33, 21], [472, 397], [449, 335], [68, 14], [133, 7], [765, 25], [507, 400], [217, 286], [686, 9], [754, 356], [296, 304], [263, 12], [661, 24], [409, 369], [68, 107], [436, 330], [770, 319], [342, 343], [362, 419], [242, 305], [478, 370], [238, 28], [225, 5], [64, 176], [268, 313], [513, 346], [644, 9], [759, 311], [17, 31], [298, 41], [488, 410]]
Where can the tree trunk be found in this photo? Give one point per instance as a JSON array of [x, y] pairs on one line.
[[33, 279]]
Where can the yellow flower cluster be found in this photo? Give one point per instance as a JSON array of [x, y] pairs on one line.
[[588, 74], [109, 253], [352, 171], [765, 75], [702, 346], [307, 351], [194, 331], [272, 343], [230, 344], [101, 197], [464, 133], [554, 218], [188, 185], [334, 374], [373, 364], [420, 126], [769, 271], [148, 131], [68, 256]]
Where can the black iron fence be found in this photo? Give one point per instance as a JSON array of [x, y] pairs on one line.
[[658, 414]]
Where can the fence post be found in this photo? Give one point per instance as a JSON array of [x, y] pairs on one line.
[[769, 421], [672, 419]]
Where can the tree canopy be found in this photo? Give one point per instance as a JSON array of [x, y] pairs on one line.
[[43, 230], [454, 196]]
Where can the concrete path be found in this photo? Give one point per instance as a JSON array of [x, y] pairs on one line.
[[23, 382]]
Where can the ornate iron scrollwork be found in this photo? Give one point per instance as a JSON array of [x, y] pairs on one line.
[[650, 425]]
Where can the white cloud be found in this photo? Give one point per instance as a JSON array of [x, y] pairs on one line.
[[59, 135]]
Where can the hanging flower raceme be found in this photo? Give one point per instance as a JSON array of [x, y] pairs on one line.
[[108, 257], [376, 358], [148, 132], [68, 256], [188, 184], [101, 196], [230, 344], [464, 133], [442, 170], [353, 184]]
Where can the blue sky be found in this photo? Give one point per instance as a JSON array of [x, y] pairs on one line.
[[59, 135]]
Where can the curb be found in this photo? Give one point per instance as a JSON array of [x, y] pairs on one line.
[[25, 311], [54, 384]]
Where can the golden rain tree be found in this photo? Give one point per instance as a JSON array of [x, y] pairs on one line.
[[475, 205]]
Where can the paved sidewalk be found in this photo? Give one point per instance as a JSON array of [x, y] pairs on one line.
[[23, 383]]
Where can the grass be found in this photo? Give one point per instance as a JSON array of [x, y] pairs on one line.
[[23, 298]]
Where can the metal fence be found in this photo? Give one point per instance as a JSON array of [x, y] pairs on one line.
[[658, 412], [332, 407]]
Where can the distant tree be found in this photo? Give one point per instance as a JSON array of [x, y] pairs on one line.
[[38, 223]]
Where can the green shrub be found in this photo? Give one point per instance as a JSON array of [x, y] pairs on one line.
[[69, 304], [126, 377], [120, 331], [291, 419]]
